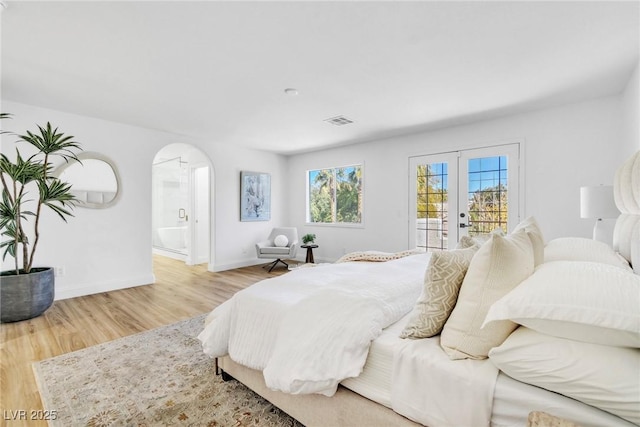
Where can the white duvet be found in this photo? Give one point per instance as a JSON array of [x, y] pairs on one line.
[[430, 388], [309, 329]]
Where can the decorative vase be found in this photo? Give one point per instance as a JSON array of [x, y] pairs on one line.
[[25, 296]]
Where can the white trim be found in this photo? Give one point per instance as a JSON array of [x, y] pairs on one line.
[[106, 286], [195, 257], [169, 254]]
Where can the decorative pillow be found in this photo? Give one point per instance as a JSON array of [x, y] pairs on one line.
[[583, 249], [281, 240], [531, 227], [602, 376], [498, 266], [442, 281], [582, 301], [477, 240], [467, 242]]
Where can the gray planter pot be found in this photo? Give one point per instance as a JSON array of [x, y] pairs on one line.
[[25, 296]]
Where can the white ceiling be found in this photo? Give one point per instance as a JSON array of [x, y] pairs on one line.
[[218, 70]]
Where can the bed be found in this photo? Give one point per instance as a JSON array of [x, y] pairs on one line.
[[481, 335]]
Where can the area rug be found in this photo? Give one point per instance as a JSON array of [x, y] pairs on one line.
[[155, 378]]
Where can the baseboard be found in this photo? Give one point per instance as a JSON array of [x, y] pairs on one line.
[[169, 254], [258, 261], [100, 287], [237, 264]]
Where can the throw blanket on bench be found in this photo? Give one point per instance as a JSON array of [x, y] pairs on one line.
[[309, 329]]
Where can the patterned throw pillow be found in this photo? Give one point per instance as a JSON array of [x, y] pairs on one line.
[[442, 281]]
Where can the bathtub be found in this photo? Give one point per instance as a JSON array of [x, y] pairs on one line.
[[173, 238]]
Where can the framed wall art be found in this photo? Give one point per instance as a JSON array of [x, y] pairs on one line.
[[255, 196]]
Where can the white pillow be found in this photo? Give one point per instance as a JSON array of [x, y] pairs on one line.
[[584, 301], [602, 376], [583, 249], [498, 266], [531, 227], [281, 240]]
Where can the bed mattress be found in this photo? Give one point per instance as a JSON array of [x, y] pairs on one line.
[[512, 402]]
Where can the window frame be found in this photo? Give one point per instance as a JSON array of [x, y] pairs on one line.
[[308, 197]]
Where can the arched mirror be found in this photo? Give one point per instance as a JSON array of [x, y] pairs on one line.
[[95, 182]]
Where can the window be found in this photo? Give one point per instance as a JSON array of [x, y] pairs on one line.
[[335, 195], [487, 194], [467, 192], [432, 205]]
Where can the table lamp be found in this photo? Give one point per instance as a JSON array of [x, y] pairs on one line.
[[598, 202]]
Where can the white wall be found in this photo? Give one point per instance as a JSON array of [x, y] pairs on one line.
[[631, 114], [105, 249], [565, 148]]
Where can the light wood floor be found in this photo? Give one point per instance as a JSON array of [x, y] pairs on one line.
[[180, 292]]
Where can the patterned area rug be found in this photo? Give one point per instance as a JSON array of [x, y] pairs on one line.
[[155, 378]]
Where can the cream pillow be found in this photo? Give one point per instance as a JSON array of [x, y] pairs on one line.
[[468, 242], [478, 239], [582, 301], [583, 249], [442, 281], [498, 266], [602, 376], [531, 227]]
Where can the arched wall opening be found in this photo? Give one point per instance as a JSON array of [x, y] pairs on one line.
[[182, 204]]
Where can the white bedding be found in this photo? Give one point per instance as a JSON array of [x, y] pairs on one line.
[[512, 400], [374, 382], [273, 325], [395, 376], [432, 389]]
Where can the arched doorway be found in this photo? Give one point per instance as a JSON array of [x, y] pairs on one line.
[[182, 185]]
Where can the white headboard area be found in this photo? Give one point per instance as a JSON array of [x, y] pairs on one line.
[[626, 191]]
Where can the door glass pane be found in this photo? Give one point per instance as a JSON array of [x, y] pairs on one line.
[[487, 194], [170, 194], [432, 206]]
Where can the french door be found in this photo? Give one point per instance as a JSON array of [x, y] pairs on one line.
[[468, 192]]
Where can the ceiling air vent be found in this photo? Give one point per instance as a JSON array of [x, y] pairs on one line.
[[339, 121]]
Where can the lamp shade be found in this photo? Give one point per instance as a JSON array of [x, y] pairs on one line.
[[598, 202]]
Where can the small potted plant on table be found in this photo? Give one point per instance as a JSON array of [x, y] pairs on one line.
[[308, 241]]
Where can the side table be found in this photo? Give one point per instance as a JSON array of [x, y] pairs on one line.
[[309, 249]]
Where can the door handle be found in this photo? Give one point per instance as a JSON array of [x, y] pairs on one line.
[[463, 225], [182, 213]]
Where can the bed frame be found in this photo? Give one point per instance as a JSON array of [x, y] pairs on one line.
[[345, 408]]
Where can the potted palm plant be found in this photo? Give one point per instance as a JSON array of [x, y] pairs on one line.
[[27, 291]]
